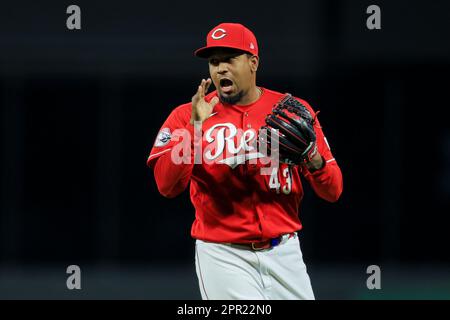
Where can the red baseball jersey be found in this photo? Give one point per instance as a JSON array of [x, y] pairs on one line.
[[233, 201]]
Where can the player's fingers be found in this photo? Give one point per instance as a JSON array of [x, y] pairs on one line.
[[207, 84], [202, 89], [198, 94], [195, 97], [213, 102]]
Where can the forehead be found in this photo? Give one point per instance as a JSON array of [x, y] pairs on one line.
[[224, 53]]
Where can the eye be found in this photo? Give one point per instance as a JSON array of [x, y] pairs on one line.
[[214, 61]]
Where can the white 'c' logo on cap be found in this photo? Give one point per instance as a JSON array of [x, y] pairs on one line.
[[220, 36]]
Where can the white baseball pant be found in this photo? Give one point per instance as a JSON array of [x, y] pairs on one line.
[[229, 272]]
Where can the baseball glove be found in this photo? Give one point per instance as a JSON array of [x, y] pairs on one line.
[[293, 124]]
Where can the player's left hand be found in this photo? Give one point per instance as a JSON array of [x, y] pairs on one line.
[[292, 123], [315, 163]]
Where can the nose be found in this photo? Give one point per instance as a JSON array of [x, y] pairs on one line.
[[222, 68]]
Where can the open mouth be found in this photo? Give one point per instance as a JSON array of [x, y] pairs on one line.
[[226, 85]]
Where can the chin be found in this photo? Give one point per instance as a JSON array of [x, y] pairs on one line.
[[231, 99]]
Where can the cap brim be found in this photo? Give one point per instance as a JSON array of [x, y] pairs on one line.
[[205, 52]]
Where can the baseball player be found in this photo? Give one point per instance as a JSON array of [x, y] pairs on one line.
[[246, 221]]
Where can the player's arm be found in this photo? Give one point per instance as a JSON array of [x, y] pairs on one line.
[[323, 172], [172, 170], [172, 177]]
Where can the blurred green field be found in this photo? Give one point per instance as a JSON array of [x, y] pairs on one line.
[[168, 282]]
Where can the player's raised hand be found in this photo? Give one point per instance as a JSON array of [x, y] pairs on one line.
[[201, 109]]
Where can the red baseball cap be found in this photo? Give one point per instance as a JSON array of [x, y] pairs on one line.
[[229, 35]]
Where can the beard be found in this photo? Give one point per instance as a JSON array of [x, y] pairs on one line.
[[232, 99]]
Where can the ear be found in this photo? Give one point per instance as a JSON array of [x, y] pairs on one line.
[[254, 63]]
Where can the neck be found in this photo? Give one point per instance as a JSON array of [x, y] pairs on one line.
[[252, 95]]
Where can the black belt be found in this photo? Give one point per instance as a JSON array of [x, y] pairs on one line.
[[266, 244]]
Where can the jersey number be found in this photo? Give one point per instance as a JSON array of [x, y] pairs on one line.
[[274, 182]]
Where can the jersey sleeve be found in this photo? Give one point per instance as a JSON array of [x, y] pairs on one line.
[[172, 177], [164, 142], [326, 182]]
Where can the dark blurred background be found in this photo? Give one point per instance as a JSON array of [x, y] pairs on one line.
[[80, 110]]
